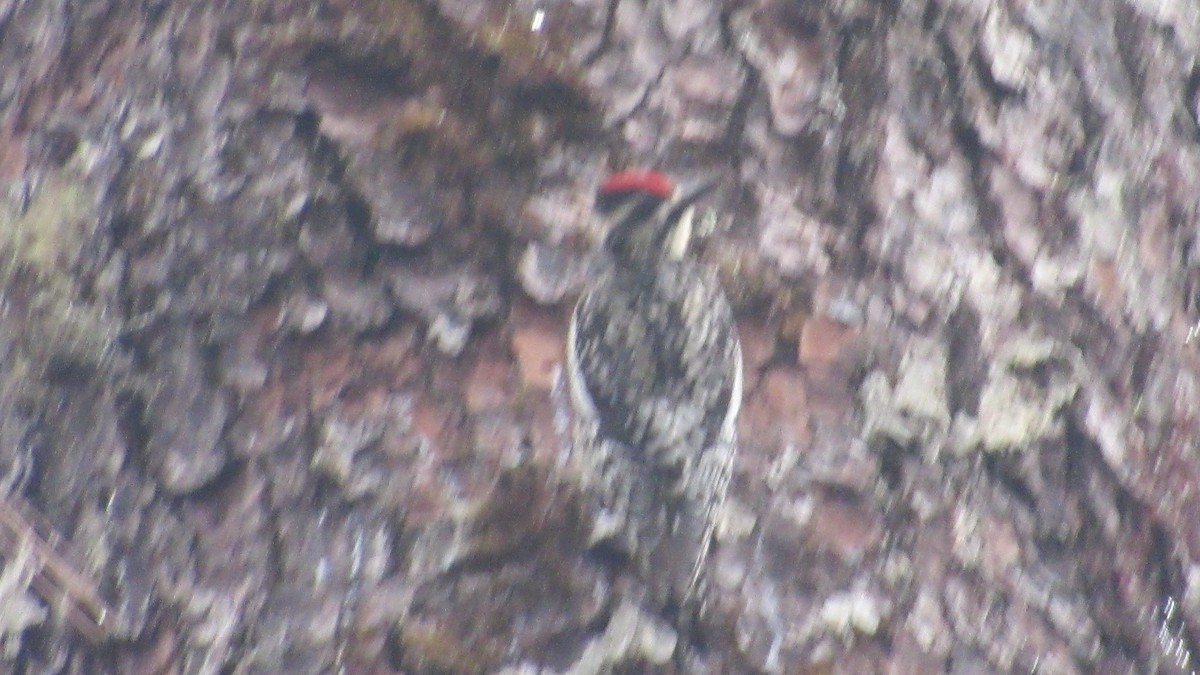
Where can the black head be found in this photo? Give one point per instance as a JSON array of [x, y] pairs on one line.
[[650, 214]]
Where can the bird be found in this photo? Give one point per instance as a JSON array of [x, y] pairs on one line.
[[654, 370]]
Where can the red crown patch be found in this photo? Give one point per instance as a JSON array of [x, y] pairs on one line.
[[639, 180]]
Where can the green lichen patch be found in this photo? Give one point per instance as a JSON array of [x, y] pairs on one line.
[[1026, 389], [50, 328], [44, 235]]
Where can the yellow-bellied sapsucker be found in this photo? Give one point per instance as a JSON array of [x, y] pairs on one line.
[[655, 373]]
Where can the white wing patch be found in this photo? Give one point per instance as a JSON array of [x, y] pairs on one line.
[[576, 380]]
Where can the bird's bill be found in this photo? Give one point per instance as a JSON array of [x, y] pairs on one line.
[[690, 191]]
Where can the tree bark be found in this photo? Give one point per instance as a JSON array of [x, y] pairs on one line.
[[283, 289]]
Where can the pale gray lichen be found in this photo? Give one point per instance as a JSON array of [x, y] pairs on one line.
[[968, 538], [340, 441], [926, 623], [1008, 50], [1010, 414], [548, 273], [881, 420], [917, 408], [734, 521], [920, 392], [19, 610], [1015, 411], [632, 636], [857, 611]]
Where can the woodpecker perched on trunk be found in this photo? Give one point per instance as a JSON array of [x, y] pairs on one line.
[[655, 374]]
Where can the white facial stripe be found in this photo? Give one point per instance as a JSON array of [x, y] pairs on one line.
[[681, 234]]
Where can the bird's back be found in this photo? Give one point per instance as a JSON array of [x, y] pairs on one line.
[[656, 379], [659, 357]]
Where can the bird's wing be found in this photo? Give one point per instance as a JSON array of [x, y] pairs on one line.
[[659, 364]]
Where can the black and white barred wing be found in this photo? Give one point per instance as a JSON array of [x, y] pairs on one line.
[[655, 373], [658, 367]]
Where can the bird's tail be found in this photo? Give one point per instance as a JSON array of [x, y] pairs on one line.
[[679, 562]]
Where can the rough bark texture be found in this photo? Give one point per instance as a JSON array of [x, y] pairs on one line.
[[283, 288]]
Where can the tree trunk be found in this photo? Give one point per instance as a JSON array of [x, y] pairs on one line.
[[283, 289]]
